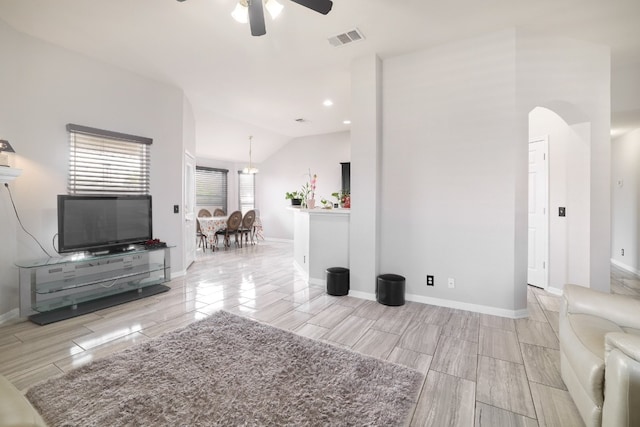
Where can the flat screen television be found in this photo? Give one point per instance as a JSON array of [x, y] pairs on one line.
[[103, 223]]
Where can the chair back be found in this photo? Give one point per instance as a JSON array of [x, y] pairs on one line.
[[234, 221], [249, 218], [204, 213], [219, 212]]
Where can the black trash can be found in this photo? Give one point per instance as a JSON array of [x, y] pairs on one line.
[[337, 281], [390, 289]]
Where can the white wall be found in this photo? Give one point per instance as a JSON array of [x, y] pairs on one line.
[[44, 88], [287, 170], [569, 178], [625, 200], [448, 187]]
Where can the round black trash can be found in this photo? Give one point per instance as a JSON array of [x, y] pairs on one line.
[[390, 289], [337, 281]]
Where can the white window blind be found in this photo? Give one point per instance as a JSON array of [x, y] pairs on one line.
[[211, 187], [246, 191], [106, 162]]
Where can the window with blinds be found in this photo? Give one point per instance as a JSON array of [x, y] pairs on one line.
[[246, 191], [211, 187], [106, 162]]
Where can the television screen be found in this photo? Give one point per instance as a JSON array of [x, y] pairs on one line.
[[96, 223]]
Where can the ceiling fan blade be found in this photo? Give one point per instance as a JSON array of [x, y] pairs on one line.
[[256, 18], [320, 6]]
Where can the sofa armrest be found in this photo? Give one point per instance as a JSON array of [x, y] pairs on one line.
[[15, 409], [622, 380], [628, 344], [622, 310]]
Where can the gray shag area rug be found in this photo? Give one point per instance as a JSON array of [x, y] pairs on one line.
[[228, 370]]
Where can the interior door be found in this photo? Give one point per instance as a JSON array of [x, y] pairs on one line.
[[537, 272], [188, 209]]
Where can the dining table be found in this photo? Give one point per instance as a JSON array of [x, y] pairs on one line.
[[210, 225]]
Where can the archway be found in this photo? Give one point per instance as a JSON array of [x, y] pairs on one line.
[[568, 133]]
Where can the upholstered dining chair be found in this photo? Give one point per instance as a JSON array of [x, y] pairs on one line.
[[204, 213], [219, 212], [246, 229], [233, 224]]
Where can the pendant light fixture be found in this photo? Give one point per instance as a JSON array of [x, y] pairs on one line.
[[250, 169]]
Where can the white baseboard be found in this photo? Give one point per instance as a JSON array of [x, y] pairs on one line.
[[178, 274], [275, 239], [512, 314], [625, 267], [9, 315], [554, 291], [318, 282], [303, 273]]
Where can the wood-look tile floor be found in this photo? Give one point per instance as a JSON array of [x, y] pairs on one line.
[[479, 369]]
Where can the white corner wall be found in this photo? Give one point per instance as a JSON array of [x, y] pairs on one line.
[[625, 200], [44, 88], [287, 170]]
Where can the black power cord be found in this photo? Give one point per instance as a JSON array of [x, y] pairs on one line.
[[20, 222]]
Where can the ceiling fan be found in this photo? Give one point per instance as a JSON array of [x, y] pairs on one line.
[[256, 12]]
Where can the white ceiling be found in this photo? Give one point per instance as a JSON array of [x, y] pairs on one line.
[[240, 85]]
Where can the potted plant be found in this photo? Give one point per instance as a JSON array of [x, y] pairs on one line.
[[295, 197], [344, 198]]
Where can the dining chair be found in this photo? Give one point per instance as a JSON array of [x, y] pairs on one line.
[[233, 224], [200, 236], [246, 229], [219, 212]]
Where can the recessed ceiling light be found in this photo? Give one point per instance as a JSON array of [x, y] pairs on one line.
[[347, 122], [327, 103]]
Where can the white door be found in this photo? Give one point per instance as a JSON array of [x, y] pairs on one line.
[[538, 213], [189, 207]]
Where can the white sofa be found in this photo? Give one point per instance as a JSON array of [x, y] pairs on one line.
[[600, 355]]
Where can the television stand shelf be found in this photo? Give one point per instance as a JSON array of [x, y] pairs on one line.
[[59, 288]]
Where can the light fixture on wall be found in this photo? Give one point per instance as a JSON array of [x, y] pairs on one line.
[[5, 149], [250, 169]]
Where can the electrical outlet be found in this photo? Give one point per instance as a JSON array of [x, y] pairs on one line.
[[622, 252], [451, 282], [176, 209], [429, 280]]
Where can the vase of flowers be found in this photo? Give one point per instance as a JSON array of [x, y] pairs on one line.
[[311, 201]]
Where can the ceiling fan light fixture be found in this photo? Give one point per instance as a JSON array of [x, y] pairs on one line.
[[274, 8], [241, 12]]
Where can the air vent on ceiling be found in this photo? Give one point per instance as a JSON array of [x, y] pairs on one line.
[[347, 37]]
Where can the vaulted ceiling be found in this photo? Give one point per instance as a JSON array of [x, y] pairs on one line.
[[240, 85]]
